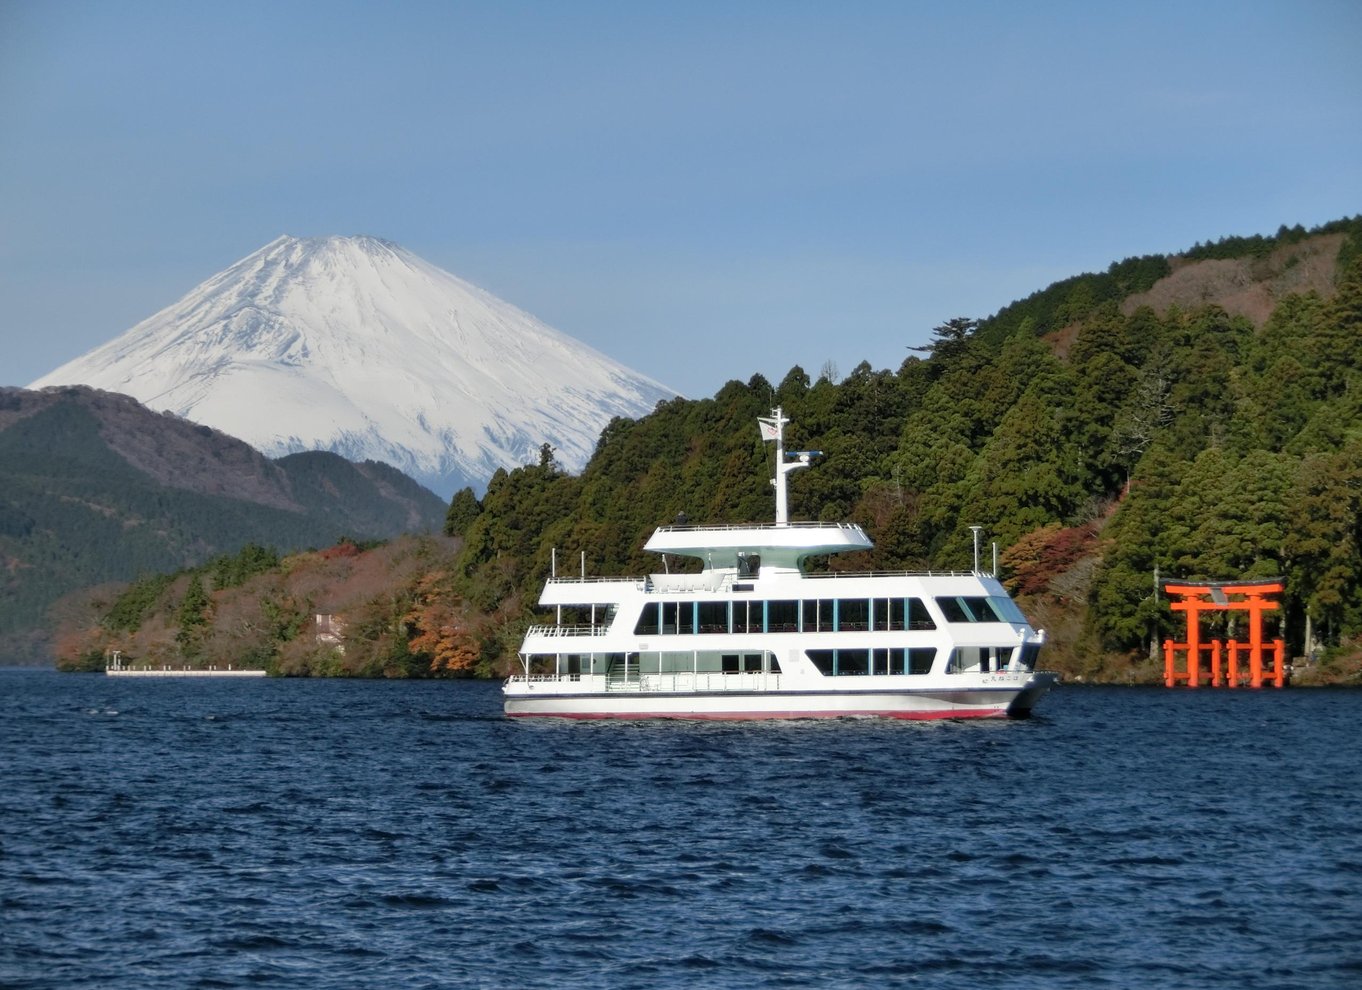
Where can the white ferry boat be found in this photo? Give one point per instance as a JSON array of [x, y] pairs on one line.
[[756, 635]]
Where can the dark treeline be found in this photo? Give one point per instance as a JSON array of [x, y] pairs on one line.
[[1188, 443]]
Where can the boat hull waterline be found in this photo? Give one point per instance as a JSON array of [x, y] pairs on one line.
[[1002, 695]]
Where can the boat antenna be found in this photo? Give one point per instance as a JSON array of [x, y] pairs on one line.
[[773, 428]]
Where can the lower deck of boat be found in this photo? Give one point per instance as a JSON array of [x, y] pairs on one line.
[[746, 697]]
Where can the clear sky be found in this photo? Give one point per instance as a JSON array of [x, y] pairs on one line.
[[700, 190]]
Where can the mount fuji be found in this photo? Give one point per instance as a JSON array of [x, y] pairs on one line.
[[357, 346]]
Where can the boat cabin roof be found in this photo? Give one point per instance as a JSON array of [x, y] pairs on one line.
[[781, 545]]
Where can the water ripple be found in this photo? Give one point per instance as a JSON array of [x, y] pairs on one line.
[[351, 835]]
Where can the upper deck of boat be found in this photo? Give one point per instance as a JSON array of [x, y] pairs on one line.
[[805, 539]]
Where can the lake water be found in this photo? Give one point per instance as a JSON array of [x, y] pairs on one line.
[[340, 834]]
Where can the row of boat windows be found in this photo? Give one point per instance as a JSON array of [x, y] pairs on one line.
[[830, 663], [842, 663], [818, 615], [624, 664]]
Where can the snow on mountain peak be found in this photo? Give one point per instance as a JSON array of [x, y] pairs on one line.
[[356, 345]]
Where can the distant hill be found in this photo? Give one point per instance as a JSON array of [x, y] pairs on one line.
[[97, 488]]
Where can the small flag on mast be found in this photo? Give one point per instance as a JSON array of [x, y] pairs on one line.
[[769, 431]]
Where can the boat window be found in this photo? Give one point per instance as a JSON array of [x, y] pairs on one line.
[[879, 661], [982, 609], [966, 658], [817, 615], [853, 662], [900, 660], [969, 608], [647, 620], [713, 617], [954, 611], [746, 616], [749, 564], [880, 611], [920, 660], [1007, 609], [676, 617], [782, 616], [840, 663], [918, 616], [808, 616], [732, 663], [822, 659], [853, 614], [751, 663]]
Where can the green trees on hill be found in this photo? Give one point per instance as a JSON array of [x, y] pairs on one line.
[[1204, 446]]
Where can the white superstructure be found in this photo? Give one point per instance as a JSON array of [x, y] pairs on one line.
[[752, 635]]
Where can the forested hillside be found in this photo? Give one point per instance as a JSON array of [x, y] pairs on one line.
[[1101, 443], [94, 487], [1197, 416]]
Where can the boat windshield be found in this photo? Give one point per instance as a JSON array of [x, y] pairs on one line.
[[978, 608]]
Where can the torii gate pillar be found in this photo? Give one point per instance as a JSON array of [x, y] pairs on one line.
[[1255, 597]]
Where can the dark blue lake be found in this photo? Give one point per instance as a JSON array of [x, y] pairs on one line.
[[338, 834]]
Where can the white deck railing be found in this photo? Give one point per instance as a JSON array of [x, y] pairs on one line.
[[638, 583], [879, 574], [567, 630], [686, 681], [729, 527]]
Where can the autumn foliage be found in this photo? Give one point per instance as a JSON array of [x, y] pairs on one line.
[[441, 626], [391, 610]]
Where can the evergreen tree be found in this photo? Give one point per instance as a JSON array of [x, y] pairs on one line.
[[192, 617], [1126, 606], [464, 507], [950, 340], [1324, 541]]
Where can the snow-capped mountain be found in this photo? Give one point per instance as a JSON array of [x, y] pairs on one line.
[[356, 345]]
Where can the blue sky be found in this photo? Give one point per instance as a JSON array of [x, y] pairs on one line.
[[701, 190]]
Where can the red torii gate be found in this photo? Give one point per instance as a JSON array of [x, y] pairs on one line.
[[1254, 597]]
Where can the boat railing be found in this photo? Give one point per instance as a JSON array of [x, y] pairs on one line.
[[729, 527], [880, 574], [690, 681], [584, 630], [686, 681], [637, 583], [704, 581]]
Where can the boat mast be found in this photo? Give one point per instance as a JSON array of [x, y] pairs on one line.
[[773, 428]]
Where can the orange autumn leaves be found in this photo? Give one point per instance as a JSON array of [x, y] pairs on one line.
[[441, 627]]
